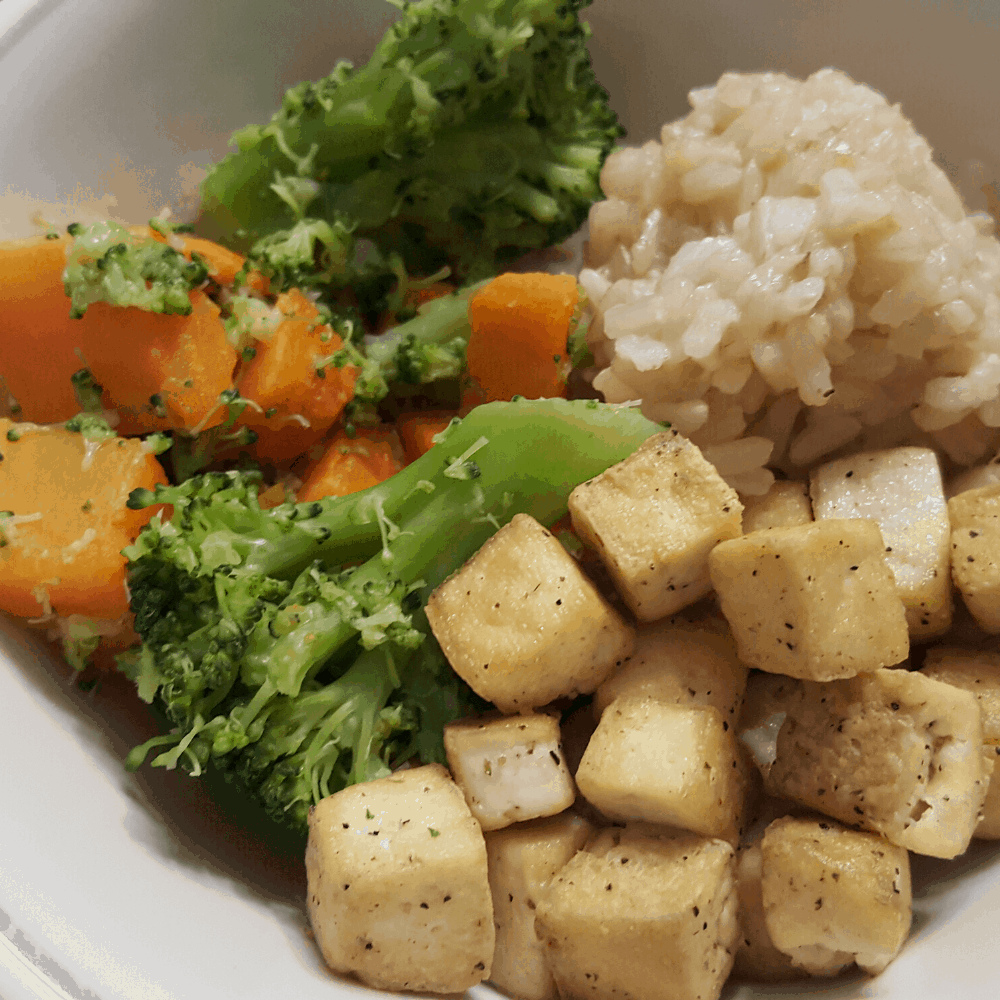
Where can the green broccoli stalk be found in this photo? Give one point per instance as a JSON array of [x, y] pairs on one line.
[[107, 263], [476, 132], [244, 612]]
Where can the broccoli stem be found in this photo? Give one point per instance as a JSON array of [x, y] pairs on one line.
[[523, 456]]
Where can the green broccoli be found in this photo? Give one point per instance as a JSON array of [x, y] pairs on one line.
[[107, 263], [427, 348], [299, 675], [476, 132]]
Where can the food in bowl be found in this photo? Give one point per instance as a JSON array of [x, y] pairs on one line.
[[717, 864]]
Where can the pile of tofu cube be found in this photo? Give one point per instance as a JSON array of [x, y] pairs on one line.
[[758, 759]]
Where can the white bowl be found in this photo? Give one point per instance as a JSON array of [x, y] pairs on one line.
[[146, 887]]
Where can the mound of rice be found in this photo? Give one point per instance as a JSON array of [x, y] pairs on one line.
[[787, 274]]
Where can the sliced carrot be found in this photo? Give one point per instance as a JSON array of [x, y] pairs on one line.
[[417, 430], [37, 336], [296, 399], [61, 549], [520, 325], [351, 464], [159, 370], [135, 355]]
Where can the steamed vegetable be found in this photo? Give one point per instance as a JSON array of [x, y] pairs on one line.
[[261, 646], [418, 430], [521, 325], [128, 307], [109, 263], [37, 336], [351, 463], [428, 348], [63, 519], [295, 396], [476, 132]]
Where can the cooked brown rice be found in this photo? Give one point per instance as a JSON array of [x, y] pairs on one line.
[[789, 269]]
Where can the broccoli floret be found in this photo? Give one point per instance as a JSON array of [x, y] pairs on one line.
[[428, 348], [107, 263], [476, 132], [289, 645]]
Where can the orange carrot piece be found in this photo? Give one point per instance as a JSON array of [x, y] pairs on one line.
[[186, 361], [37, 336], [520, 323], [296, 402], [63, 546], [417, 430], [275, 496], [351, 464]]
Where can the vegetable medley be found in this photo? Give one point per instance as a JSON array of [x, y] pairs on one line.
[[312, 479]]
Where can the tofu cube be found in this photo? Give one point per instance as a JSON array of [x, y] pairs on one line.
[[901, 490], [522, 625], [653, 519], [509, 768], [663, 763], [975, 553], [757, 958], [681, 665], [978, 672], [891, 752], [523, 859], [834, 896], [988, 827], [398, 892], [634, 915], [813, 601], [784, 505]]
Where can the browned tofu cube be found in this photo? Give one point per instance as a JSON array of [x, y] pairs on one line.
[[892, 752], [522, 625], [784, 505], [833, 896], [901, 490], [665, 763], [978, 672], [685, 664], [398, 892], [653, 519], [523, 860], [975, 552], [509, 768], [757, 958], [813, 601], [639, 916]]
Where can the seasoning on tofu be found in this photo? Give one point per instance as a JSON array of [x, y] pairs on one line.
[[814, 601], [510, 769], [522, 625], [833, 896], [890, 751], [642, 913], [902, 491], [653, 519], [975, 553], [398, 891]]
